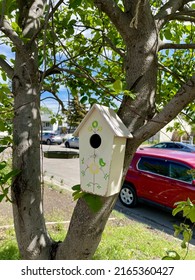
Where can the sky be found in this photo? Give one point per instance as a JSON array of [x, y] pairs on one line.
[[49, 103]]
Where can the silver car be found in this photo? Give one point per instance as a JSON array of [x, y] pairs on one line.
[[72, 142], [51, 138]]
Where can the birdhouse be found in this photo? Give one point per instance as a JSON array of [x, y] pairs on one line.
[[102, 142]]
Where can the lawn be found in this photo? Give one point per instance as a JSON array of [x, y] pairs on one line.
[[122, 240]]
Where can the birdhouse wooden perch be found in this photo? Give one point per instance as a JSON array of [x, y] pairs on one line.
[[102, 142]]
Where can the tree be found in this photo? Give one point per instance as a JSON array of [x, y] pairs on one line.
[[125, 57], [75, 112]]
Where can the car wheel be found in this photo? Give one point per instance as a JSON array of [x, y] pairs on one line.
[[48, 142], [128, 196], [67, 145]]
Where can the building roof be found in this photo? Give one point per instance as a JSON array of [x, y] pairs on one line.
[[111, 118]]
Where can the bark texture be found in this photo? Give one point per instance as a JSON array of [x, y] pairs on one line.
[[31, 233]]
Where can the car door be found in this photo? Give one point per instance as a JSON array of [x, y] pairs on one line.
[[74, 142], [153, 178], [181, 187]]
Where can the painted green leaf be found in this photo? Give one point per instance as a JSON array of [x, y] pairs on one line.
[[101, 162], [95, 124]]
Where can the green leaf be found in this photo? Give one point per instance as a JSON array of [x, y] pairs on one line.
[[176, 210], [16, 28], [2, 149], [3, 75], [191, 215], [171, 255], [117, 85], [168, 34], [9, 175], [178, 230], [1, 197], [74, 4], [2, 126], [3, 164], [93, 201], [84, 99], [76, 187], [78, 194]]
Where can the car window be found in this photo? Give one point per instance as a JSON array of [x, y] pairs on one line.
[[160, 145], [172, 146], [153, 165], [180, 172]]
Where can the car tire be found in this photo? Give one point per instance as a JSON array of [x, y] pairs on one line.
[[67, 145], [128, 196], [48, 142]]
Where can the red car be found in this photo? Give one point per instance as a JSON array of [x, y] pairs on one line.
[[159, 176]]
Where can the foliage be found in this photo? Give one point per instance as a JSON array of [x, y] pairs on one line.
[[5, 180], [188, 210], [93, 201], [76, 112], [46, 110]]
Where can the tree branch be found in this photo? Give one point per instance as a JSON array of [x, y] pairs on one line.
[[55, 97], [174, 74], [120, 19], [6, 67], [48, 17], [181, 99], [170, 8], [163, 46], [12, 35], [113, 47]]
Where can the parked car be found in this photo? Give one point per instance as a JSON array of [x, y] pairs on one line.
[[51, 138], [175, 146], [72, 142], [159, 177]]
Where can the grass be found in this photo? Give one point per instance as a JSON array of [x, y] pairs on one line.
[[122, 240]]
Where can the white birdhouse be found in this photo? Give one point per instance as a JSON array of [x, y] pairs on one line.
[[102, 142]]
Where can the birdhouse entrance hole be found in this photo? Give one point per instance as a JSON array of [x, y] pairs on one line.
[[95, 141]]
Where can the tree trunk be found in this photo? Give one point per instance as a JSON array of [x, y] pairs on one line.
[[86, 228], [32, 237]]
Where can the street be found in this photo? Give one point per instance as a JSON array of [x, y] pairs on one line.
[[65, 173]]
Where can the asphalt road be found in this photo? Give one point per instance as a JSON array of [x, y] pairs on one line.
[[66, 173], [63, 172]]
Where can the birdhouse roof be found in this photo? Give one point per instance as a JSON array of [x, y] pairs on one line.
[[111, 118]]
